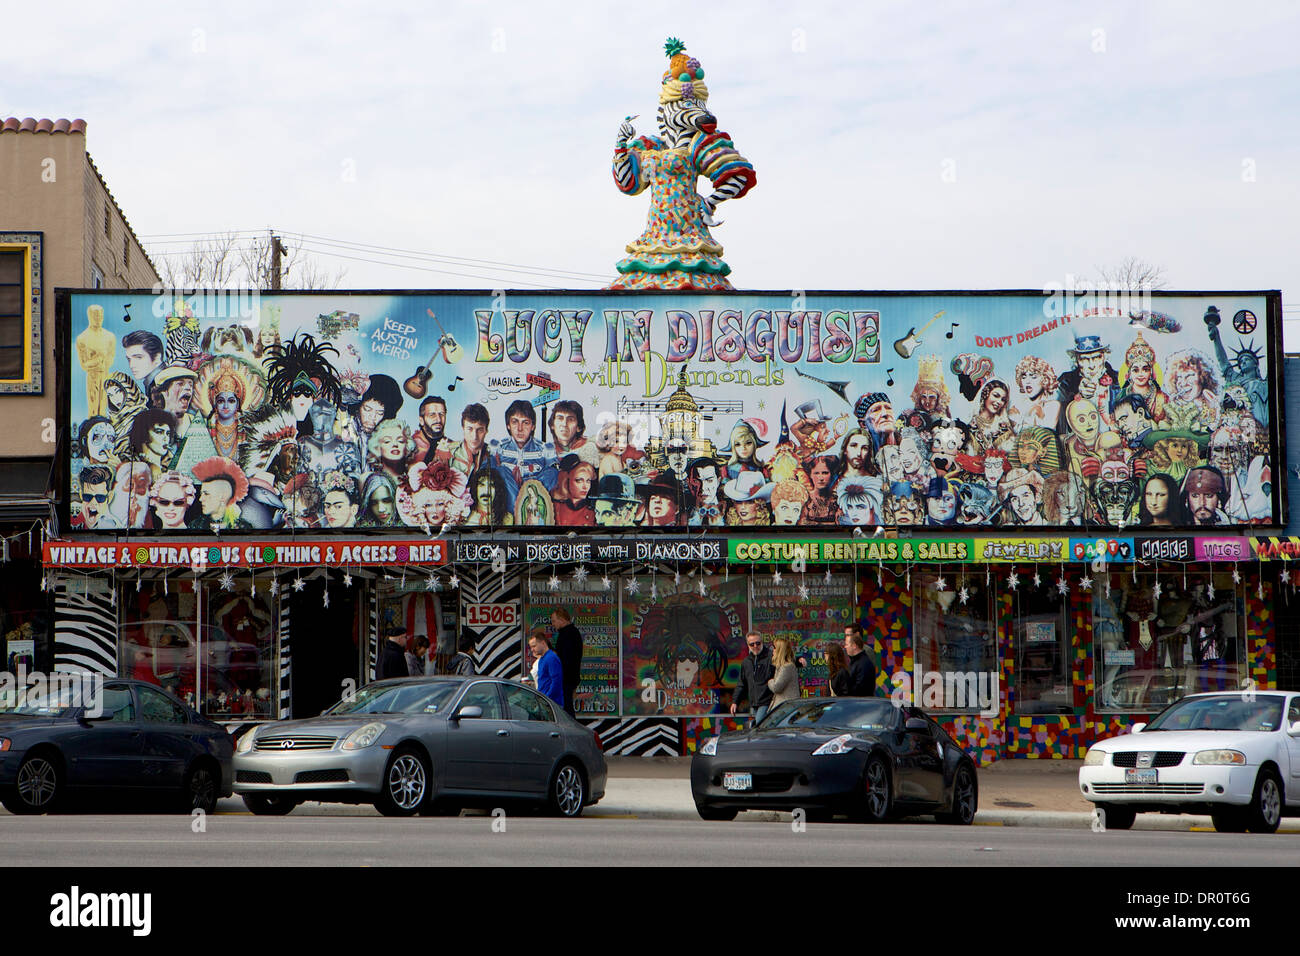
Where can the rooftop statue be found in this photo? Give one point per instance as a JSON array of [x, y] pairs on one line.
[[676, 250]]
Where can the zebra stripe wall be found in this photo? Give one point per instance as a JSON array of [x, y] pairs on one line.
[[85, 626], [500, 648], [286, 658], [639, 736]]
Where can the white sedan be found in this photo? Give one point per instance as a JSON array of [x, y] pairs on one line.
[[1235, 756]]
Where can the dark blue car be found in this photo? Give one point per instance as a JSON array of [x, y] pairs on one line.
[[131, 741]]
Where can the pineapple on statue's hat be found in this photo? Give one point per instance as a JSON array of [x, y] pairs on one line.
[[684, 78]]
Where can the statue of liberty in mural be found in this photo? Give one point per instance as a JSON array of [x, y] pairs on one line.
[[676, 250]]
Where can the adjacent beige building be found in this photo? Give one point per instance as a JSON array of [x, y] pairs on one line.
[[59, 227]]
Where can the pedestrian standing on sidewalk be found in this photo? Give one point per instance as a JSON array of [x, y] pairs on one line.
[[784, 685], [550, 673], [568, 644], [392, 655], [755, 672], [415, 659], [837, 671], [862, 671]]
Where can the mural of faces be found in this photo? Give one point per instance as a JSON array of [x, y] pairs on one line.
[[305, 422]]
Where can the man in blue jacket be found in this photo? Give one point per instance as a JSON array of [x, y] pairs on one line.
[[550, 673]]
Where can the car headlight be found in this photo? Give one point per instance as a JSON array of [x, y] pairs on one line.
[[1095, 757], [5, 744], [1220, 757], [840, 745], [363, 736], [245, 742], [710, 748]]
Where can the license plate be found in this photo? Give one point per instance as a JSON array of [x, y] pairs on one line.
[[1140, 776], [738, 781]]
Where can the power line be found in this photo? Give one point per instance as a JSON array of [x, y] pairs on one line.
[[404, 265], [363, 246]]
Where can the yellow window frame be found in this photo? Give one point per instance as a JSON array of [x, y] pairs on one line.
[[26, 249]]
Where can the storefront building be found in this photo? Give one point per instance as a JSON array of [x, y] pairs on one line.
[[675, 474]]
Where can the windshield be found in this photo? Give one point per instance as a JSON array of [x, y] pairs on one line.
[[1229, 712], [835, 713], [397, 699]]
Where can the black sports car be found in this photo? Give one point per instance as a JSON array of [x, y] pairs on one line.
[[865, 757], [130, 740]]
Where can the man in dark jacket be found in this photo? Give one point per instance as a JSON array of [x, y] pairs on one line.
[[568, 644], [862, 669], [754, 675], [392, 656]]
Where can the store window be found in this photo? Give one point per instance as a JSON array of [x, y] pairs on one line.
[[1044, 678], [811, 623], [413, 610], [220, 658], [954, 641], [1155, 644]]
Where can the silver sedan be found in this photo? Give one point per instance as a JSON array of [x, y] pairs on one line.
[[427, 745]]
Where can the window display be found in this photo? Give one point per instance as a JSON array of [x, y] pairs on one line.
[[954, 638], [1157, 640], [1044, 682], [810, 623], [231, 656], [595, 612]]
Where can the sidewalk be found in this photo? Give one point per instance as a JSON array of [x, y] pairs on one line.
[[1012, 793]]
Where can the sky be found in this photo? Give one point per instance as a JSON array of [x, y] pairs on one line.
[[897, 145]]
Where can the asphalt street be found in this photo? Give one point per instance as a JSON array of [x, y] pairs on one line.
[[482, 840]]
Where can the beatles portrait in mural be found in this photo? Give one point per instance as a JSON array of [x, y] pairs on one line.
[[666, 409]]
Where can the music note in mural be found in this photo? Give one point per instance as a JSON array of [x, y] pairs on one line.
[[126, 312], [890, 373], [452, 386], [950, 331]]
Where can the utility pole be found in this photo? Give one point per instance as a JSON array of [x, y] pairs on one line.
[[277, 249]]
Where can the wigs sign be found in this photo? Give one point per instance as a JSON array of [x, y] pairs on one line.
[[433, 410]]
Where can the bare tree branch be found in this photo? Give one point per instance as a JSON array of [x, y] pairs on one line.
[[1132, 273], [223, 262]]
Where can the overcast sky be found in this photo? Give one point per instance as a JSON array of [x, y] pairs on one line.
[[897, 145]]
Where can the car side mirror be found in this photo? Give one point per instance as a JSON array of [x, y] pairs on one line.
[[1138, 728], [916, 724], [469, 710], [1294, 729]]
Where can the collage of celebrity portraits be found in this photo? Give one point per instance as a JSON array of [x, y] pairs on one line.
[[1148, 419]]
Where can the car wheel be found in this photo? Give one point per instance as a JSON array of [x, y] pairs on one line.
[[200, 791], [1229, 820], [877, 801], [406, 784], [38, 787], [716, 813], [1265, 810], [568, 791], [1117, 817], [269, 804], [965, 799]]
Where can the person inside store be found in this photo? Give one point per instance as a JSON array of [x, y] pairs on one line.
[[862, 669], [568, 644], [392, 656], [550, 672], [755, 672], [415, 659]]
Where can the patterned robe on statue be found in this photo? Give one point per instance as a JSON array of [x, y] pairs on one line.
[[676, 250]]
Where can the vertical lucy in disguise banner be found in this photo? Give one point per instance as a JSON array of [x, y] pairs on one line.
[[682, 650], [595, 612], [809, 623]]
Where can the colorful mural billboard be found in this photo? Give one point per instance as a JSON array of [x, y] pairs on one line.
[[444, 409]]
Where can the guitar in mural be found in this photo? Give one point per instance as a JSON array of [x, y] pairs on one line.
[[910, 342], [839, 388], [417, 386], [447, 344]]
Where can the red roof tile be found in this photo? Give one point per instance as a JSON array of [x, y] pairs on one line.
[[29, 125]]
